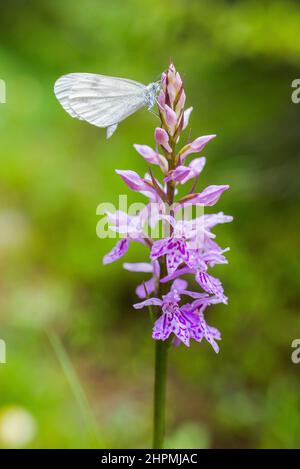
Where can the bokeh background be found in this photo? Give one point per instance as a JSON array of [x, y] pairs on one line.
[[79, 369]]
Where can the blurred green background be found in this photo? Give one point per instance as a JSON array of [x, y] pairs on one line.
[[238, 59]]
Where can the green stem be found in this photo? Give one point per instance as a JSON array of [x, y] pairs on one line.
[[161, 347], [161, 356]]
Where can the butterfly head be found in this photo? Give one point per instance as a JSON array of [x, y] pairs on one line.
[[151, 93]]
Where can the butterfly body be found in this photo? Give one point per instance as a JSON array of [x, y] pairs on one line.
[[102, 100]]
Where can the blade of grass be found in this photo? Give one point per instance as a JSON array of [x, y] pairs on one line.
[[75, 386]]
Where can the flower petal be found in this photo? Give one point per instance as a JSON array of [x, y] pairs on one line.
[[179, 174], [118, 218], [118, 251], [208, 197], [177, 252], [210, 284], [177, 273], [162, 138], [133, 180], [171, 321], [146, 288], [152, 156], [138, 266], [195, 147], [186, 117], [159, 248], [148, 302], [179, 285], [171, 118], [210, 334], [213, 219], [197, 165]]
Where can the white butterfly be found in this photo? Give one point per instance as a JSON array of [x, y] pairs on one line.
[[103, 101]]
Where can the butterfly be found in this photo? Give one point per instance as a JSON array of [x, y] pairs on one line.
[[102, 100]]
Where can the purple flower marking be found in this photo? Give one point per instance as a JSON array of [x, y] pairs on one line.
[[200, 329], [211, 284], [118, 251], [185, 322], [175, 250], [171, 320]]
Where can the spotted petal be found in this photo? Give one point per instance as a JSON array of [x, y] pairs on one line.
[[210, 284], [118, 251], [177, 254], [171, 321]]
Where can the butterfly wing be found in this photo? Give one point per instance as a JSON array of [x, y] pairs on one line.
[[62, 89], [100, 100]]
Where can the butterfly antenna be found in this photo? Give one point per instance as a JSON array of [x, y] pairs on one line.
[[154, 113]]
